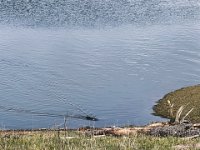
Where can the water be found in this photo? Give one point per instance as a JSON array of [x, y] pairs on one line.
[[116, 66], [91, 13]]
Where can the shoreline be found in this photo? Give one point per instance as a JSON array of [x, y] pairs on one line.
[[157, 129]]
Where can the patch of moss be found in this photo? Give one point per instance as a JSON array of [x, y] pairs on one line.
[[187, 96]]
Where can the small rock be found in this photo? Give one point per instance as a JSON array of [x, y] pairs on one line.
[[197, 146]]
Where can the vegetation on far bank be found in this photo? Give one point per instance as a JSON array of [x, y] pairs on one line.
[[188, 98]]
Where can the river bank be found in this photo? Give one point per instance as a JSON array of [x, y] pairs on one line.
[[76, 139], [181, 132]]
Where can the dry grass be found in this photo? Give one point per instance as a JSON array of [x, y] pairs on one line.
[[54, 140]]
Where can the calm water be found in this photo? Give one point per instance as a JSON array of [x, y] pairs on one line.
[[114, 72]]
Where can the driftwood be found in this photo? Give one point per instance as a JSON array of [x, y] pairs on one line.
[[155, 129], [120, 131]]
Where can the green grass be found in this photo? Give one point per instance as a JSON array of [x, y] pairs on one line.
[[55, 141], [188, 97]]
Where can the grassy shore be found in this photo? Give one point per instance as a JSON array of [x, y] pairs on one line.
[[73, 140], [189, 97]]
